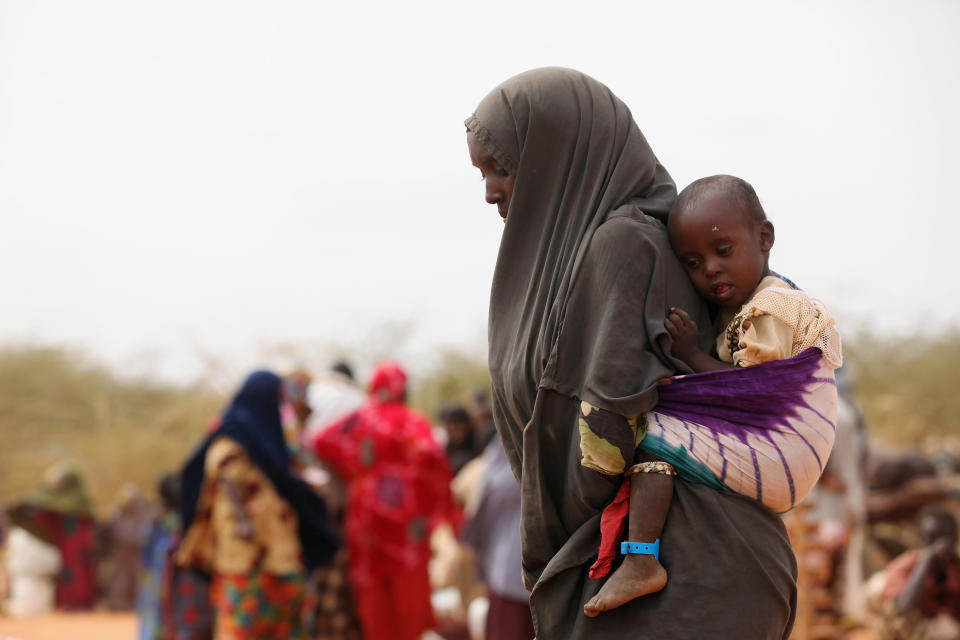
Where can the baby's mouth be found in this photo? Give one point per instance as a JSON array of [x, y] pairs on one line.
[[720, 290]]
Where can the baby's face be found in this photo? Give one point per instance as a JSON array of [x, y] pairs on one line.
[[723, 250]]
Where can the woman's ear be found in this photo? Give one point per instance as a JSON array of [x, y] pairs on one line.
[[767, 236]]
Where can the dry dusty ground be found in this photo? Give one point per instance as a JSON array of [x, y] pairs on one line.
[[120, 626], [70, 626]]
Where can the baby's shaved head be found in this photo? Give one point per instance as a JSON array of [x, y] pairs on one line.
[[737, 191]]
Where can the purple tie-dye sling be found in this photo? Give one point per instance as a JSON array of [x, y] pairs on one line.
[[763, 431]]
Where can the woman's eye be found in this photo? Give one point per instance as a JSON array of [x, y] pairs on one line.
[[724, 250], [501, 172]]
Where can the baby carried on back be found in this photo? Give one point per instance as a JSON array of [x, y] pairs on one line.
[[765, 428], [758, 420]]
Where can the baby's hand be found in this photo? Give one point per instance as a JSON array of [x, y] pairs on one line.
[[683, 330]]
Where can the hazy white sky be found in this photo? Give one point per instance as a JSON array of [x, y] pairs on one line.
[[181, 180]]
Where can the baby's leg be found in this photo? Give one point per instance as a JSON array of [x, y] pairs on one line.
[[651, 491]]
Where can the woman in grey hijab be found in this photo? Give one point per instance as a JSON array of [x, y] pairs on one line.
[[584, 278]]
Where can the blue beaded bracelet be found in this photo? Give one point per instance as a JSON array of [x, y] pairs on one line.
[[644, 548]]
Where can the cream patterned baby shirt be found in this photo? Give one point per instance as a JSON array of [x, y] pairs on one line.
[[776, 323]]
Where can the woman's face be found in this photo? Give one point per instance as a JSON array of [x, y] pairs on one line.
[[499, 183]]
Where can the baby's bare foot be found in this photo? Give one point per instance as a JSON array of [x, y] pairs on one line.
[[637, 576]]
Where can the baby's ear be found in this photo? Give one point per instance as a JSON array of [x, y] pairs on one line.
[[767, 236]]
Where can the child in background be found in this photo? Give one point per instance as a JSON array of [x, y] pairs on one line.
[[154, 602], [765, 433]]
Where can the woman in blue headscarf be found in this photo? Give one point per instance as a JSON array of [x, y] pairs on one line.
[[249, 522]]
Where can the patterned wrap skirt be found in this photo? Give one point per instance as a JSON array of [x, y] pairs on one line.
[[258, 606]]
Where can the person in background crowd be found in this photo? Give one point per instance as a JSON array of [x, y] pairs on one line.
[[59, 512], [946, 462], [494, 531], [461, 445], [398, 490], [918, 594], [900, 485], [332, 395], [295, 409], [839, 505], [329, 612], [32, 566], [482, 417], [249, 522], [122, 536], [154, 601]]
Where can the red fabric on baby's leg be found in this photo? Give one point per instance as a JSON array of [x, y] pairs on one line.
[[612, 522]]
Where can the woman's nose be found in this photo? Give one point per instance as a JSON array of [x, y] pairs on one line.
[[493, 193]]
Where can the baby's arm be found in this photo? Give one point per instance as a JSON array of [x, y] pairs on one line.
[[686, 338]]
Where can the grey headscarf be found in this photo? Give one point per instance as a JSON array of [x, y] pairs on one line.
[[577, 158]]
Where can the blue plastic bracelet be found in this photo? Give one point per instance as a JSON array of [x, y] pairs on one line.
[[644, 548]]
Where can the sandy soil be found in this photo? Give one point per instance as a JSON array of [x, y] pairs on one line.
[[120, 626], [72, 626]]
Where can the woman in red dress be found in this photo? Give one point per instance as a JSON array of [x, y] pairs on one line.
[[398, 489]]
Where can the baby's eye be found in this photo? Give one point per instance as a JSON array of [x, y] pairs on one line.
[[691, 263], [724, 250]]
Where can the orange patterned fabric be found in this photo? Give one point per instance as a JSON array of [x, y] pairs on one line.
[[216, 543], [258, 606]]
